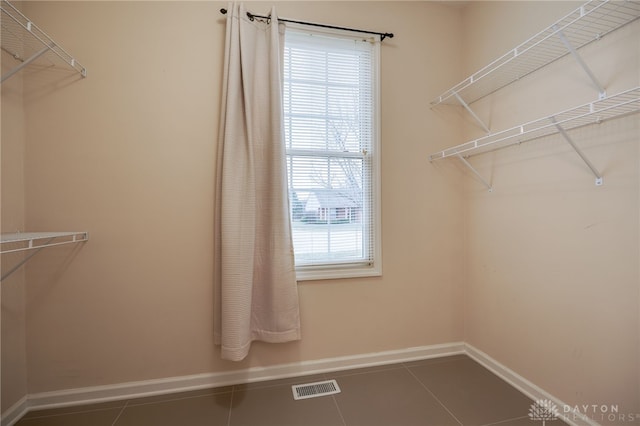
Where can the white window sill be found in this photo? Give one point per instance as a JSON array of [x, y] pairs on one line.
[[333, 272]]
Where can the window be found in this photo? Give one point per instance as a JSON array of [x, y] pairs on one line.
[[331, 134]]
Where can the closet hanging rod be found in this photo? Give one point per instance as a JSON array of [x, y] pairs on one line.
[[251, 16]]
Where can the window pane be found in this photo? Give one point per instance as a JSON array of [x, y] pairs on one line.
[[329, 131]]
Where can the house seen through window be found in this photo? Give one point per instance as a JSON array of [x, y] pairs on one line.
[[331, 134]]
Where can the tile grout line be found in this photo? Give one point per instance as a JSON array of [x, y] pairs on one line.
[[233, 390], [120, 413], [346, 373], [70, 413], [335, 402], [172, 399], [504, 421], [432, 394]]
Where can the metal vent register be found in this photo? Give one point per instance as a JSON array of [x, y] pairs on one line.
[[313, 390]]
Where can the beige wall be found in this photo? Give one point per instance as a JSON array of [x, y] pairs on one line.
[[128, 155], [13, 371], [552, 260], [542, 274]]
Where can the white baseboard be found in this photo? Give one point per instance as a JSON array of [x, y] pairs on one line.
[[121, 391], [534, 392], [15, 412], [96, 394]]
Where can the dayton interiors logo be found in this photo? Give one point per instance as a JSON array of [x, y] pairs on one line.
[[543, 410]]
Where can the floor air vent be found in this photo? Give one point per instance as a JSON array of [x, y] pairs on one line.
[[313, 390]]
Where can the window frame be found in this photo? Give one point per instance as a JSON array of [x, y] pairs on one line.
[[340, 270]]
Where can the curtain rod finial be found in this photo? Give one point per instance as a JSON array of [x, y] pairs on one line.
[[223, 11]]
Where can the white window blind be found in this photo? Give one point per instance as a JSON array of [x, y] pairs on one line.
[[330, 123]]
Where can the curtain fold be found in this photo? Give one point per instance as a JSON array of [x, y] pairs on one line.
[[256, 296]]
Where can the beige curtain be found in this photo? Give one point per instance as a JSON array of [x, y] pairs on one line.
[[256, 289]]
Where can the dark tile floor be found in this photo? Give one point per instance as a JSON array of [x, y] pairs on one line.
[[444, 391]]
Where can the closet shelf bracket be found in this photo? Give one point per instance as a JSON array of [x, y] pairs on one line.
[[25, 63], [589, 164], [475, 172], [34, 242], [471, 112], [601, 91], [22, 39]]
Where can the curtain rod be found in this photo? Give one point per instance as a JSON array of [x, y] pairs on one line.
[[251, 16]]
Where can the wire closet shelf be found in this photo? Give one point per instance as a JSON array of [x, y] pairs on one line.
[[619, 105], [22, 241], [34, 242], [28, 44], [584, 25]]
